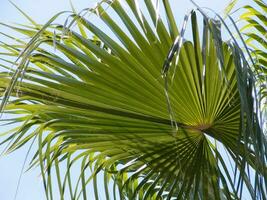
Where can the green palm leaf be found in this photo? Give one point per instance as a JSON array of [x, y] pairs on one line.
[[117, 108], [253, 31]]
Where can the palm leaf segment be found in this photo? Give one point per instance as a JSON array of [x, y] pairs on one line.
[[253, 31], [256, 20], [107, 105]]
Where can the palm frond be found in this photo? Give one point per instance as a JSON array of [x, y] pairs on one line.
[[133, 104]]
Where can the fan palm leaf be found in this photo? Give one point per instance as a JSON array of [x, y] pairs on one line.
[[253, 31], [137, 103]]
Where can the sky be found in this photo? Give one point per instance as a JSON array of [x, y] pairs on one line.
[[42, 10]]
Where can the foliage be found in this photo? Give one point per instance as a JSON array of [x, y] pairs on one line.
[[134, 102], [253, 29]]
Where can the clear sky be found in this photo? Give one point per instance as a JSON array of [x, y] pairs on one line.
[[41, 10]]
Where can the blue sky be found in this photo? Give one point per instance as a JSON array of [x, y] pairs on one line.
[[41, 10]]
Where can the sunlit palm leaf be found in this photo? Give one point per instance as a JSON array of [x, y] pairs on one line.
[[254, 32], [105, 105]]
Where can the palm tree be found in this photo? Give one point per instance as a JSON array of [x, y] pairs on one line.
[[134, 102]]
